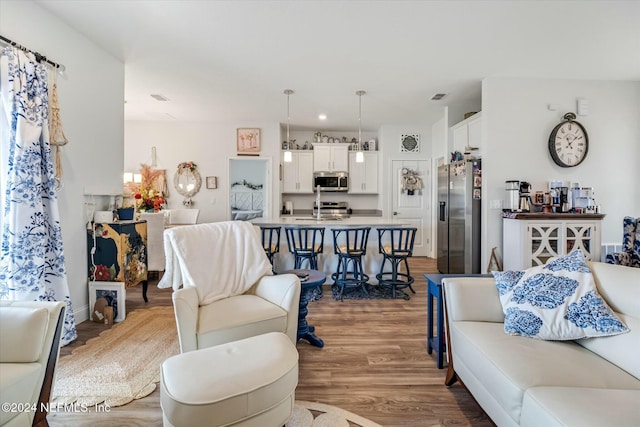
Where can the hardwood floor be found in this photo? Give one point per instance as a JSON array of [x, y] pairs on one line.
[[374, 363]]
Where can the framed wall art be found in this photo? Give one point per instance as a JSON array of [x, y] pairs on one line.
[[212, 182], [248, 141], [112, 294]]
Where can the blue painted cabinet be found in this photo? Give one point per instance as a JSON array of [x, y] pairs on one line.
[[120, 253]]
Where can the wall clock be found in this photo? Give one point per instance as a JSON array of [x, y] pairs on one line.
[[568, 142], [410, 143]]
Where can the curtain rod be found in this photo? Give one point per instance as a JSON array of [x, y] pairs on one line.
[[39, 57]]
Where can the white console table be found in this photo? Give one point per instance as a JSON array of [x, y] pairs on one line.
[[530, 239]]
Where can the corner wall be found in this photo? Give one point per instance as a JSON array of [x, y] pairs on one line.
[[91, 95], [515, 133]]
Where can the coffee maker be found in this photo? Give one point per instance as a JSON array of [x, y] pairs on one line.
[[524, 203], [564, 199], [511, 196]]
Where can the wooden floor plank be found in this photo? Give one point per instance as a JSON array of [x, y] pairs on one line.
[[374, 364]]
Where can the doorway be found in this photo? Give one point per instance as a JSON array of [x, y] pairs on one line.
[[249, 188], [412, 206]]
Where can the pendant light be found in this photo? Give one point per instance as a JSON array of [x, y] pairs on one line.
[[288, 156], [360, 153]]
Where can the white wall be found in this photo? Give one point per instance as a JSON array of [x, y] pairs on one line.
[[91, 99], [516, 128], [439, 131], [209, 145], [457, 110]]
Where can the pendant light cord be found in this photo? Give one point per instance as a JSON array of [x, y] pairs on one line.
[[288, 92], [360, 121], [360, 154]]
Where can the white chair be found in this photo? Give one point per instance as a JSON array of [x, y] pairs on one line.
[[155, 240], [30, 334], [228, 291], [183, 216]]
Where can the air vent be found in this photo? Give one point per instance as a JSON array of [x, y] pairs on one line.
[[438, 96], [159, 97]]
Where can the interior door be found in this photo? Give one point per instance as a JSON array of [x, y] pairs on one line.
[[413, 209]]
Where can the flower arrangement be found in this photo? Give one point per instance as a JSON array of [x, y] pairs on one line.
[[191, 166], [145, 195], [148, 199]]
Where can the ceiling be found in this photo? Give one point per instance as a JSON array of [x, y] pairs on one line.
[[230, 61]]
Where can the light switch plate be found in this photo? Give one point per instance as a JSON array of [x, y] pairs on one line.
[[583, 107]]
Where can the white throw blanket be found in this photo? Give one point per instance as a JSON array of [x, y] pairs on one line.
[[219, 259]]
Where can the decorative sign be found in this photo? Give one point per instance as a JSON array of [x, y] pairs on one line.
[[410, 143]]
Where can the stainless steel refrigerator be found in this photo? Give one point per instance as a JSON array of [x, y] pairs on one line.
[[459, 197]]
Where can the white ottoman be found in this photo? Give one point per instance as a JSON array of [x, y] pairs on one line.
[[250, 382]]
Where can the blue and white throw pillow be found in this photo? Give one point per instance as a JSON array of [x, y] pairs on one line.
[[556, 301]]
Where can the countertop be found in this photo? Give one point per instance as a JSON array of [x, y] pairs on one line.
[[542, 215], [308, 220]]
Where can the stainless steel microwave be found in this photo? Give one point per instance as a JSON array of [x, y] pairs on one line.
[[331, 181]]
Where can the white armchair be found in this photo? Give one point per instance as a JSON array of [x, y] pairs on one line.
[[228, 292], [30, 334], [271, 305]]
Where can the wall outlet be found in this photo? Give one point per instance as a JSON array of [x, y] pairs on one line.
[[495, 204]]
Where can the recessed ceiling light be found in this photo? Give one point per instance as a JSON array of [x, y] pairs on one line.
[[159, 97], [322, 116], [438, 96]]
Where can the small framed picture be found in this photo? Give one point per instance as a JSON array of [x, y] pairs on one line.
[[112, 294], [248, 141], [477, 181], [476, 194], [212, 182]]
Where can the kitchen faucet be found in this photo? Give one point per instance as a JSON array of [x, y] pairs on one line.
[[318, 201]]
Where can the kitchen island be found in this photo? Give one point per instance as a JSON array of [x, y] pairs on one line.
[[328, 261]]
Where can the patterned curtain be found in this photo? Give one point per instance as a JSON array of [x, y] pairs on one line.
[[32, 265]]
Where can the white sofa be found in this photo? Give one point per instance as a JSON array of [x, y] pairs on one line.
[[29, 346], [521, 381]]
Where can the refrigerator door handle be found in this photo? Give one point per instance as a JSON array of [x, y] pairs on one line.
[[443, 211]]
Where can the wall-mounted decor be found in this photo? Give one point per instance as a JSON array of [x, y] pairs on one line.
[[187, 181], [212, 182], [410, 143], [248, 141], [411, 181], [107, 294]]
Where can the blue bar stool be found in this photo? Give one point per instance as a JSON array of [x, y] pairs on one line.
[[350, 244], [305, 243], [270, 242], [396, 245]]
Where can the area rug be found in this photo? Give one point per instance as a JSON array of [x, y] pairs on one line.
[[312, 414], [370, 292], [121, 364]]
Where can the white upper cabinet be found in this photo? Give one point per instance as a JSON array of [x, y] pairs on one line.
[[330, 158], [297, 175], [468, 133], [363, 177]]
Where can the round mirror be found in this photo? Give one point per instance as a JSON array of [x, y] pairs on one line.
[[187, 181]]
